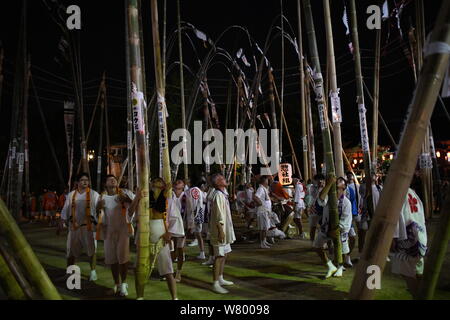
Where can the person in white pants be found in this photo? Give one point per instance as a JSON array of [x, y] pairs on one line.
[[345, 222], [221, 231], [264, 204], [195, 215]]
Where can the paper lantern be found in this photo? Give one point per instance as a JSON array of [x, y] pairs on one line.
[[285, 173]]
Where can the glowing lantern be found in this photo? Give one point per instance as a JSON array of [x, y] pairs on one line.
[[285, 173]]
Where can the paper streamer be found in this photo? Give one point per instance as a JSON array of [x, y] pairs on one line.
[[425, 161], [363, 126], [162, 112], [335, 107], [137, 99], [305, 143]]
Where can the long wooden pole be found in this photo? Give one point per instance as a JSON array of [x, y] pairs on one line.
[[436, 255], [376, 99], [326, 136], [387, 213], [311, 146], [33, 268], [107, 131], [2, 55], [334, 91], [129, 107], [137, 87], [183, 103], [9, 283], [100, 138], [362, 110], [301, 67]]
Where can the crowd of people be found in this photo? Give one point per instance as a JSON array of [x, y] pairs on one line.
[[200, 210]]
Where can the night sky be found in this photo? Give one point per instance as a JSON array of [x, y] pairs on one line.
[[103, 49]]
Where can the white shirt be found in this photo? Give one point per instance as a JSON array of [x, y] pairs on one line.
[[299, 195], [113, 217], [174, 218], [263, 194], [194, 205], [345, 219], [80, 207], [249, 199], [221, 214]]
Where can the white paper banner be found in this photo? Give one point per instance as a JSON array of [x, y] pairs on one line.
[[322, 117], [162, 112], [335, 107], [425, 161], [20, 161], [137, 101], [305, 143], [363, 127]]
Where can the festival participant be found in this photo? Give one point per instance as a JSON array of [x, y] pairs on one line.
[[313, 208], [280, 199], [249, 205], [264, 207], [161, 239], [345, 221], [364, 214], [195, 216], [50, 203], [409, 245], [299, 196], [61, 200], [273, 231], [119, 206], [352, 193], [208, 196], [222, 231], [79, 213], [33, 208], [176, 226]]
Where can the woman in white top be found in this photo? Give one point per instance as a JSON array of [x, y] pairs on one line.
[[264, 204]]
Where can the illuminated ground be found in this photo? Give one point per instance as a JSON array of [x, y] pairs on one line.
[[290, 270]]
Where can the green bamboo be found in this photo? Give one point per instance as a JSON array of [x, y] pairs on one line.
[[381, 231], [436, 255], [33, 268], [326, 137], [8, 283], [136, 78]]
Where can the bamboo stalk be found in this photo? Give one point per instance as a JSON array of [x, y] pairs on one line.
[[100, 138], [129, 107], [337, 139], [136, 79], [326, 136], [183, 103], [108, 140], [306, 171], [25, 143], [17, 273], [28, 259], [380, 233], [8, 283], [2, 55], [376, 99], [311, 146], [436, 255]]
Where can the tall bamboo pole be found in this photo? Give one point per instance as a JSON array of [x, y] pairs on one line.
[[8, 283], [336, 118], [33, 268], [273, 114], [137, 85], [129, 107], [436, 255], [100, 138], [306, 171], [385, 220], [376, 99], [361, 109], [183, 103], [25, 143], [282, 81], [326, 137], [16, 272], [107, 135], [311, 146]]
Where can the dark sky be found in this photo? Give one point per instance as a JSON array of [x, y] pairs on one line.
[[103, 49]]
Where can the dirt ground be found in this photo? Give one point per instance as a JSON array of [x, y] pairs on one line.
[[290, 270]]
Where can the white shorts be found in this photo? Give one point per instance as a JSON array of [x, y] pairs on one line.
[[313, 220], [80, 239], [263, 221], [164, 261], [50, 213], [298, 213], [117, 247], [322, 239], [222, 250], [408, 268]]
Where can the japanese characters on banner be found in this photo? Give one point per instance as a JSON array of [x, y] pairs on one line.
[[305, 143], [318, 90], [425, 161], [20, 161], [137, 102], [363, 126], [69, 118], [162, 113], [313, 160], [285, 173], [432, 148], [335, 107]]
